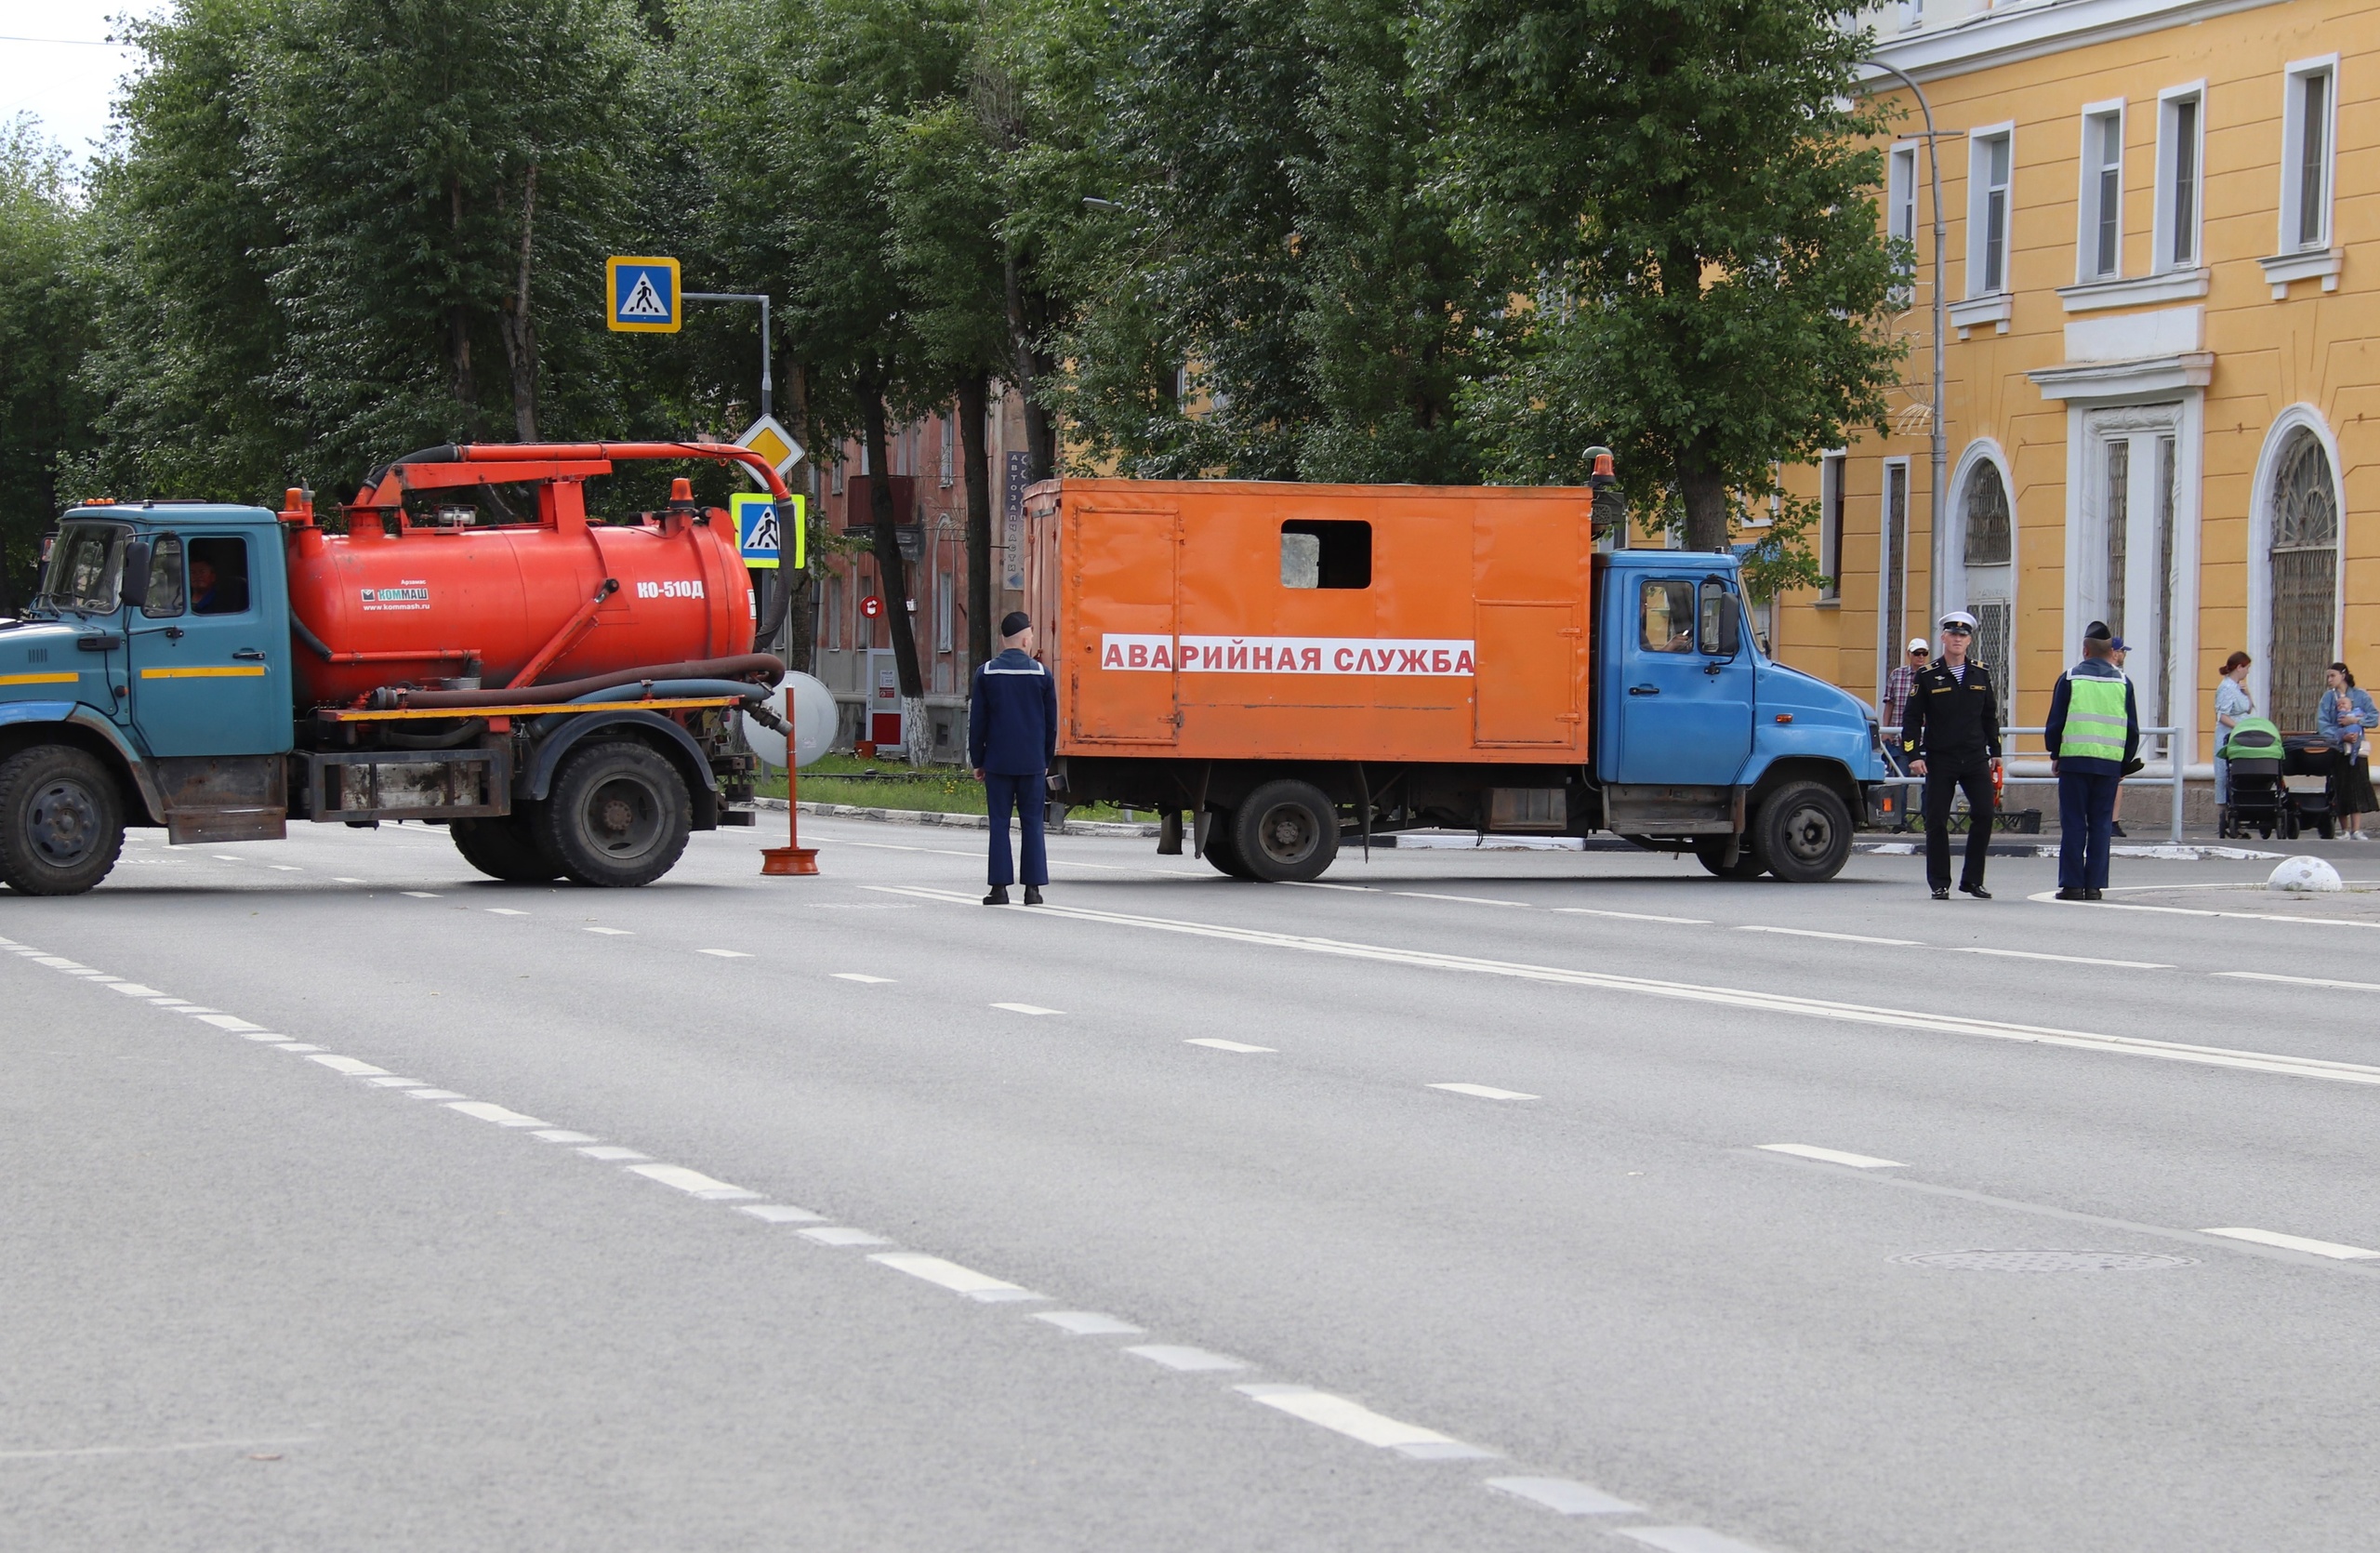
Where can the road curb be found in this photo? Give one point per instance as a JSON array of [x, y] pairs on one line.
[[952, 821]]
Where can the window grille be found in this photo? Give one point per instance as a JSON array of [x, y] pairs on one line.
[[2305, 580]]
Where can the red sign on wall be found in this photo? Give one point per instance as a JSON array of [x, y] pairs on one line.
[[871, 606]]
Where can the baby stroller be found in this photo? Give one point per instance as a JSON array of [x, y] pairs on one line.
[[2308, 770], [2258, 797]]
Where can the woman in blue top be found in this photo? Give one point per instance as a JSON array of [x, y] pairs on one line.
[[2232, 702], [2346, 718]]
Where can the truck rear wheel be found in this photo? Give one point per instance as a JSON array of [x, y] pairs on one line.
[[618, 815], [62, 821], [1803, 832], [506, 847], [1285, 831]]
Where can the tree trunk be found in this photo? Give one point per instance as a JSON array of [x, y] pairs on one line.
[[893, 571], [1703, 491], [800, 616], [521, 325], [1026, 368], [974, 406]]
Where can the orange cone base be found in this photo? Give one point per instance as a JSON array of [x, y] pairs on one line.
[[788, 859]]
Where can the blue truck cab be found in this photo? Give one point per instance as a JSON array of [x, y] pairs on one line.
[[1702, 742]]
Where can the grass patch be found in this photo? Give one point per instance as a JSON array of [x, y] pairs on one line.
[[944, 789]]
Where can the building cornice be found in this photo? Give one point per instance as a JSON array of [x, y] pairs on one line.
[[2096, 382], [2000, 37]]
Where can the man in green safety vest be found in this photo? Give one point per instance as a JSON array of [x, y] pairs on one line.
[[2093, 729]]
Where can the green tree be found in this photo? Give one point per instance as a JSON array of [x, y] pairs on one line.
[[45, 324], [1691, 184]]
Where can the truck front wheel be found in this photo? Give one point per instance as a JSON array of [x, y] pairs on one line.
[[1712, 854], [1803, 833], [62, 821], [1223, 847], [1286, 832], [506, 847], [618, 815]]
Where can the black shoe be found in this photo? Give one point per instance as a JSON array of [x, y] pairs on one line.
[[1033, 895], [1941, 892], [1976, 890], [2073, 894], [2115, 829], [2089, 895], [999, 896]]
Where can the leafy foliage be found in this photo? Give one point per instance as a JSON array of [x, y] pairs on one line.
[[44, 329]]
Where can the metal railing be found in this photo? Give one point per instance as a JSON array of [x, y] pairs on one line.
[[2173, 776]]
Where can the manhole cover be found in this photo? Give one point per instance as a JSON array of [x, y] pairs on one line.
[[2047, 1261]]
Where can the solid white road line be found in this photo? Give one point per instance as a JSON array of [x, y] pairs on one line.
[[1220, 1044], [951, 1276], [842, 1235], [1562, 1497], [2072, 958], [855, 975], [488, 1110], [1358, 1422], [1838, 938], [2302, 981], [1832, 1155], [1733, 997], [1486, 1092], [1624, 916], [1173, 1356], [2049, 897], [1467, 900], [1088, 1324], [1686, 1539], [694, 1183], [778, 1212], [2297, 1243], [1027, 1008], [155, 1450]]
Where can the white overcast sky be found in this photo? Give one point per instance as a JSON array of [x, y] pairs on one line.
[[66, 84]]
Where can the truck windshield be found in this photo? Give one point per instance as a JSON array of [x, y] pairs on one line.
[[86, 568]]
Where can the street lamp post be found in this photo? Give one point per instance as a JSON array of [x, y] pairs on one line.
[[1936, 503]]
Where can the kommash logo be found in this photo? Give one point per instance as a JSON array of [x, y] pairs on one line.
[[1286, 655], [411, 595]]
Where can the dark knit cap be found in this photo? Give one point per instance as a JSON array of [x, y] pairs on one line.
[[1014, 621]]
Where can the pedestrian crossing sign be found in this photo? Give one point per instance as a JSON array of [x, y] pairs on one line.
[[761, 525], [643, 295]]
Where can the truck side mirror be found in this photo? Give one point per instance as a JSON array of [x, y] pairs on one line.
[[136, 560], [1723, 621]]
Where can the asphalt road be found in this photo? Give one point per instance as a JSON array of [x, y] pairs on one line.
[[354, 1201]]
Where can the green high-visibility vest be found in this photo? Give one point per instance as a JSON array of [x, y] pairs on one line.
[[2095, 723]]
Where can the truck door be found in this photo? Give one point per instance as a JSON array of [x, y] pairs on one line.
[[207, 677], [1118, 589], [1685, 692]]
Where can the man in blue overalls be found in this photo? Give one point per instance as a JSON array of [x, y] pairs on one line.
[[1011, 737]]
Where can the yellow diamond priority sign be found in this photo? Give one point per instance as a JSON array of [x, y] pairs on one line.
[[772, 442]]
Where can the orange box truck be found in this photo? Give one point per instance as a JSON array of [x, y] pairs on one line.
[[1294, 665]]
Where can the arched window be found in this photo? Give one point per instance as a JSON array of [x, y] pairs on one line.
[[2304, 579], [1988, 542]]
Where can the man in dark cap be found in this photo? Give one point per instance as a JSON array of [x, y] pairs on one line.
[[2092, 730], [1011, 737]]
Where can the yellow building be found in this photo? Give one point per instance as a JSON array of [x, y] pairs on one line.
[[2161, 402]]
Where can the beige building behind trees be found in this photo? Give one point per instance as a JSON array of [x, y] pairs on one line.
[[2161, 398]]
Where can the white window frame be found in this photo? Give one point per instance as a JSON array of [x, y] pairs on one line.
[[1979, 144], [1912, 15], [1900, 213], [1834, 465], [2292, 154], [2091, 199], [1889, 640], [2169, 148], [947, 425]]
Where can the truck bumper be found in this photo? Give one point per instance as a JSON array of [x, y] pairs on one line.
[[1891, 804]]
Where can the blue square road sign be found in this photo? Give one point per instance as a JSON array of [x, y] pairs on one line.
[[642, 295]]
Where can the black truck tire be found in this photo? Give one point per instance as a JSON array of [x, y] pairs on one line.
[[1803, 832], [1285, 831], [1223, 847], [618, 815], [62, 821], [507, 847], [1711, 852]]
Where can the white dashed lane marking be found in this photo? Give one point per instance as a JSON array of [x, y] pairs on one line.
[[2297, 1243], [1027, 1008], [1686, 1539], [614, 1151], [1485, 1092], [778, 1212], [1832, 1155], [726, 954], [1466, 900], [951, 1276], [611, 932], [1088, 1324], [1357, 1422], [1173, 1356], [842, 1235], [503, 911], [1563, 1497], [860, 977], [421, 895], [1839, 938], [1220, 1044], [488, 1110], [1625, 916], [2303, 981], [2072, 958], [694, 1183]]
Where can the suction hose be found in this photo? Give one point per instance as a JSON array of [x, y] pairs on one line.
[[743, 671]]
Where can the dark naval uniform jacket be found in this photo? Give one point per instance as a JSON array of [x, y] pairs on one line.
[[1951, 721], [1013, 717]]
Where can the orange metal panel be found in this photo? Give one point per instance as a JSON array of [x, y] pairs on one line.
[[1163, 604]]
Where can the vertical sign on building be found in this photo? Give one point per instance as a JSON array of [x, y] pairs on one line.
[[1020, 472]]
